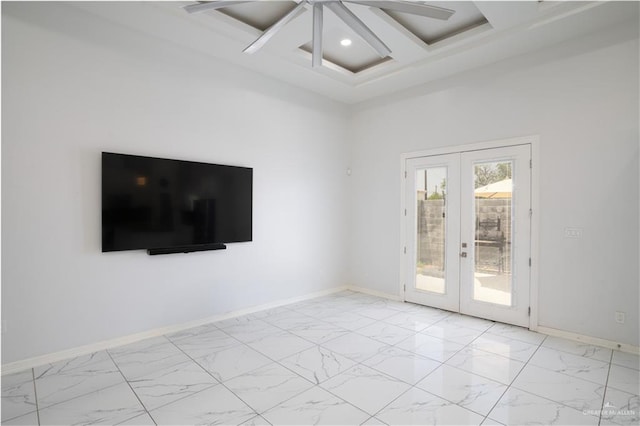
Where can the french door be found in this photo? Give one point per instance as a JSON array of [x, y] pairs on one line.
[[468, 232]]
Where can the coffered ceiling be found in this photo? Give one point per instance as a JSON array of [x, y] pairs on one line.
[[423, 49]]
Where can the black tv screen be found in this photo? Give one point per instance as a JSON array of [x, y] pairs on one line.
[[155, 203]]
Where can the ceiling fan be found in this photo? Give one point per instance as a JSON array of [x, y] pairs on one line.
[[341, 11]]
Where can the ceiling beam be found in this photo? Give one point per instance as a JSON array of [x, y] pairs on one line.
[[359, 27], [213, 5], [414, 8], [316, 50], [273, 30]]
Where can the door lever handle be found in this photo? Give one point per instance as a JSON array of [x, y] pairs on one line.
[[463, 254]]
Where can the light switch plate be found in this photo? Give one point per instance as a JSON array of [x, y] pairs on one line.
[[573, 232]]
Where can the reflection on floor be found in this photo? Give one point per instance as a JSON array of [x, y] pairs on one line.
[[491, 288], [347, 359]]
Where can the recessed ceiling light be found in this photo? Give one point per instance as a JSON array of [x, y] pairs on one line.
[[345, 42]]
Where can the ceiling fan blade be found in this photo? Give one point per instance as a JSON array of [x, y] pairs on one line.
[[413, 8], [316, 50], [359, 27], [213, 5], [272, 30]]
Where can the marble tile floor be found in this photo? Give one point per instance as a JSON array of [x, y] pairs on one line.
[[343, 359]]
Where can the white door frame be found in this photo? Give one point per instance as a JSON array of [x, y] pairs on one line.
[[534, 141]]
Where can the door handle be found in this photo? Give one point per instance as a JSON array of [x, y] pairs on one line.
[[463, 254]]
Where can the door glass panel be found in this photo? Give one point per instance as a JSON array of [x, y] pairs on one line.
[[431, 184], [493, 207]]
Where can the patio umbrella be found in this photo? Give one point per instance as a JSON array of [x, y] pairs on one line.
[[501, 189]]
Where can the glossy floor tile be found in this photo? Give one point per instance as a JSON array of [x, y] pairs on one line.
[[476, 393], [492, 366], [626, 360], [268, 386], [452, 332], [315, 407], [366, 388], [521, 408], [203, 344], [216, 405], [18, 395], [570, 391], [401, 364], [417, 407], [66, 380], [620, 408], [165, 386], [431, 347], [111, 405], [147, 356], [232, 362], [342, 359], [317, 364], [573, 365]]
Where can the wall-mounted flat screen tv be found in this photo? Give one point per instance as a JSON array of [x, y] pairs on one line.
[[160, 204]]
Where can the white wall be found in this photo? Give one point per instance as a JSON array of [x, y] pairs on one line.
[[581, 98], [73, 86]]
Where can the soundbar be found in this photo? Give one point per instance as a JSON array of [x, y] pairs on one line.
[[185, 249]]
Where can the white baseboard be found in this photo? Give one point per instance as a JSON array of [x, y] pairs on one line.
[[17, 366], [623, 347], [596, 341]]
